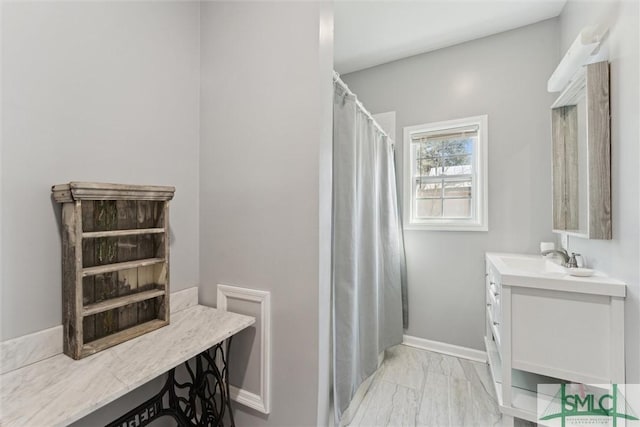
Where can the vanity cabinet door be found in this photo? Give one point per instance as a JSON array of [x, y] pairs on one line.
[[566, 335]]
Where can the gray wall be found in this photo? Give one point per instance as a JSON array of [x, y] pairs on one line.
[[93, 91], [620, 256], [505, 77], [265, 102]]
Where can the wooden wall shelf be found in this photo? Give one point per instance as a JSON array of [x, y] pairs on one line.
[[115, 263], [119, 233]]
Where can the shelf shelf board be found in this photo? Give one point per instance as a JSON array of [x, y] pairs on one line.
[[108, 268], [120, 233], [112, 303], [124, 335], [72, 191], [523, 401]]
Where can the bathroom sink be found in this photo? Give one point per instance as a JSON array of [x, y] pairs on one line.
[[531, 264], [538, 272]]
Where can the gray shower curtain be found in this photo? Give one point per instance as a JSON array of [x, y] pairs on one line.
[[368, 253]]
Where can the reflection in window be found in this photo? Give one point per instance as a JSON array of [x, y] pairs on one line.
[[444, 173]]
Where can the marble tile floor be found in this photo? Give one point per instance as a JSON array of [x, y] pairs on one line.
[[416, 387]]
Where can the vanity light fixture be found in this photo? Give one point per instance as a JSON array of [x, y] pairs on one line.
[[584, 50]]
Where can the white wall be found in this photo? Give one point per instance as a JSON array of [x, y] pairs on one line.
[[266, 102], [110, 91], [505, 77], [619, 257], [93, 91]]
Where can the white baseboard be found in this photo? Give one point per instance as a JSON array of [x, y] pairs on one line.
[[27, 349], [444, 348]]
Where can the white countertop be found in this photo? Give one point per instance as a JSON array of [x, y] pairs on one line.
[[60, 390], [556, 279]]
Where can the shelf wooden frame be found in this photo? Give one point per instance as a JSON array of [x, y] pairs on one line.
[[112, 303], [109, 268], [66, 193], [78, 200], [121, 233]]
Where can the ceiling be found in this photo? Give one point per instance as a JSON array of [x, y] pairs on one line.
[[372, 32]]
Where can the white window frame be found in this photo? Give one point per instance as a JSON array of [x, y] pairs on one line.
[[479, 220]]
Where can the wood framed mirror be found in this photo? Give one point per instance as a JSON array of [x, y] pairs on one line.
[[580, 122]]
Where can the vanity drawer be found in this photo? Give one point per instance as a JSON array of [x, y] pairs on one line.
[[494, 298], [493, 290], [493, 303]]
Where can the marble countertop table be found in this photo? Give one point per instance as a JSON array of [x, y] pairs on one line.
[[59, 390]]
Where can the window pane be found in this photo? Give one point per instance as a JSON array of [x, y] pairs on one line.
[[457, 208], [457, 188], [457, 165], [428, 166], [429, 189], [461, 159], [429, 148], [428, 208], [452, 147]]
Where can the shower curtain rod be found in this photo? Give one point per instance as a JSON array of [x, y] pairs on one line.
[[337, 79]]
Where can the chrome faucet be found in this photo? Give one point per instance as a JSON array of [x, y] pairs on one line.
[[562, 253], [573, 262]]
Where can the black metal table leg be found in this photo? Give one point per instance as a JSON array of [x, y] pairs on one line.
[[202, 400]]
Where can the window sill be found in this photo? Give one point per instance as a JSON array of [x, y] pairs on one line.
[[446, 226]]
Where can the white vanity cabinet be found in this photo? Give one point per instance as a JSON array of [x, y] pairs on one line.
[[545, 326]]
